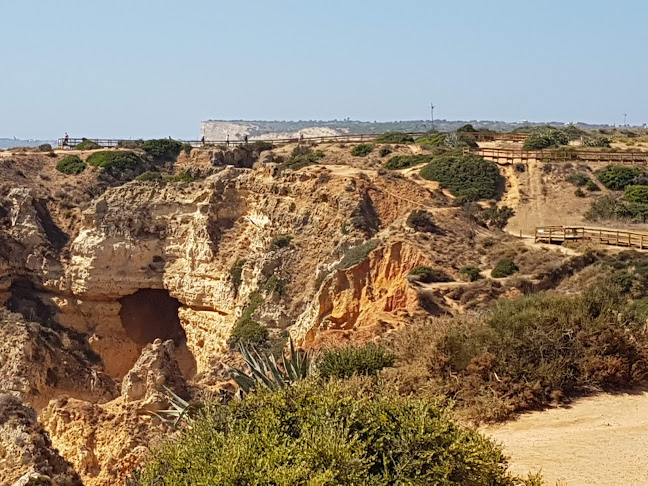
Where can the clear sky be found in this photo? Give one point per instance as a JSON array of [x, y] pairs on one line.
[[143, 68]]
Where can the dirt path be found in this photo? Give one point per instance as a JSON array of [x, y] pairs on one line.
[[600, 440]]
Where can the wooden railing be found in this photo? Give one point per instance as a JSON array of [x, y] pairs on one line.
[[576, 155], [366, 137], [623, 238]]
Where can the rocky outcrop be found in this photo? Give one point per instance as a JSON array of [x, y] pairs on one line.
[[26, 452], [38, 364], [155, 372]]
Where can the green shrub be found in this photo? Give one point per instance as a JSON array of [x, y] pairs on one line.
[[114, 160], [618, 177], [579, 193], [163, 149], [579, 179], [394, 137], [235, 272], [362, 150], [150, 176], [425, 274], [504, 268], [421, 220], [130, 144], [45, 147], [358, 254], [495, 217], [87, 145], [538, 349], [603, 142], [347, 361], [436, 139], [182, 177], [71, 165], [520, 167], [301, 156], [280, 241], [385, 151], [637, 194], [592, 186], [606, 208], [545, 137], [332, 434], [405, 161], [470, 273], [466, 128], [275, 285], [464, 175], [247, 331]]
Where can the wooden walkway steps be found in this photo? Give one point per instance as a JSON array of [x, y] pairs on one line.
[[621, 238]]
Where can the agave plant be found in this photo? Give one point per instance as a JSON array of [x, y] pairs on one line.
[[179, 409], [265, 372]]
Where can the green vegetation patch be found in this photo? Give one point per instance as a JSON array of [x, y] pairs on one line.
[[504, 268], [385, 151], [163, 149], [280, 241], [394, 137], [247, 331], [236, 272], [302, 156], [71, 165], [347, 361], [544, 138], [618, 177], [358, 254], [425, 274], [421, 220], [468, 176], [592, 186], [114, 160], [362, 150], [470, 273], [332, 434], [637, 194], [405, 161], [182, 177], [435, 139], [538, 349], [87, 145], [578, 179]]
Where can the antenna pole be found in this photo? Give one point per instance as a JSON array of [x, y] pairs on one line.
[[625, 119], [432, 115]]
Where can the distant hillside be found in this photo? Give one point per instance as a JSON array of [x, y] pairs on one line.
[[6, 143], [237, 129]]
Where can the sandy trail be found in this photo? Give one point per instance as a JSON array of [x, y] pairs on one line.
[[599, 440]]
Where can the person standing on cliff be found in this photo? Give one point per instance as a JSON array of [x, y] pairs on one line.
[[66, 140], [202, 141], [227, 140], [246, 140]]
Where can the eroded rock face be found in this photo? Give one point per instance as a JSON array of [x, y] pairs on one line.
[[38, 364], [156, 371], [26, 452], [99, 439]]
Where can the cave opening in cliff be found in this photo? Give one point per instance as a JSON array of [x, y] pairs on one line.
[[149, 314]]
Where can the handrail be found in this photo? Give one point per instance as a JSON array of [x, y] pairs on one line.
[[576, 155], [107, 143], [607, 236]]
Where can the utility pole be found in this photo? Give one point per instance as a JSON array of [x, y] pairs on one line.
[[625, 119], [432, 115]]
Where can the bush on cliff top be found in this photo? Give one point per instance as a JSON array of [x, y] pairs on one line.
[[115, 160], [618, 177], [358, 253], [87, 145], [405, 161], [468, 176], [333, 434], [162, 149], [71, 165]]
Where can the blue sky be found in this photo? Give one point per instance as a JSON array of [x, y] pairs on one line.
[[143, 68]]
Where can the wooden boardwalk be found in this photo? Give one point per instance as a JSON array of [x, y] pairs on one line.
[[366, 137], [604, 236], [509, 156]]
